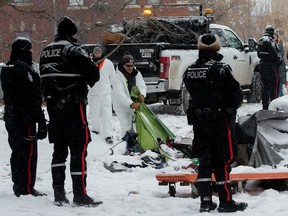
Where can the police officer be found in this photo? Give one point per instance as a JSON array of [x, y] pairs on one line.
[[23, 99], [215, 96], [66, 69], [270, 59]]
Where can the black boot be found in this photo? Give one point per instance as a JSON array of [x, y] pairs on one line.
[[18, 192], [232, 206], [207, 206], [205, 192], [37, 193], [227, 204], [85, 200], [224, 192], [60, 198]]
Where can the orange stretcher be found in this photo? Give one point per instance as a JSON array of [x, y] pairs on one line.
[[240, 178]]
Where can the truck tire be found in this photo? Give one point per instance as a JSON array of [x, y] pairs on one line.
[[185, 97], [256, 88]]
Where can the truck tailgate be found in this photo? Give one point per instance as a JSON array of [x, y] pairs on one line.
[[146, 56]]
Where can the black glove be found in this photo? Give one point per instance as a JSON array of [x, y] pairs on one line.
[[42, 127]]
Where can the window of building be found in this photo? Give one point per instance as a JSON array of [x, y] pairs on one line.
[[133, 2], [23, 34], [22, 1], [76, 2], [153, 2]]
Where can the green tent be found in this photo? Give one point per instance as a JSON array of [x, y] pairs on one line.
[[151, 130]]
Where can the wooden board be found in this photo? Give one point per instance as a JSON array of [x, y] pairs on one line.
[[112, 38], [233, 177]]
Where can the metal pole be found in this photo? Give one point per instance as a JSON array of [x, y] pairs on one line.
[[54, 17]]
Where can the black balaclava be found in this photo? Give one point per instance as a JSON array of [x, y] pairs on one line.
[[21, 50]]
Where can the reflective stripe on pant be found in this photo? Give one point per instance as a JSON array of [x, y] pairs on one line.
[[213, 143], [270, 84], [24, 154], [70, 130]]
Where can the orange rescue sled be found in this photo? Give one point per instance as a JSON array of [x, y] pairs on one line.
[[187, 179]]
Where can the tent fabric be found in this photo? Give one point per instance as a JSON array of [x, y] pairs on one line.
[[265, 133], [279, 104], [263, 153], [151, 130]]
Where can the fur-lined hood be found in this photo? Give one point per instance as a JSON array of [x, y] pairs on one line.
[[209, 42]]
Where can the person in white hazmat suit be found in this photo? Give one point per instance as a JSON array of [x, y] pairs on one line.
[[126, 77], [99, 97]]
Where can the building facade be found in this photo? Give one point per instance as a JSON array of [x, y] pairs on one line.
[[37, 19]]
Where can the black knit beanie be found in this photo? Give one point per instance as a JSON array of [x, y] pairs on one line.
[[67, 26], [127, 58]]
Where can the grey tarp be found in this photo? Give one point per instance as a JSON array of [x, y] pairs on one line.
[[266, 134]]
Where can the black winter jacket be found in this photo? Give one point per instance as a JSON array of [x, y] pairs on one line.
[[22, 93], [66, 69], [21, 85], [268, 51], [211, 85]]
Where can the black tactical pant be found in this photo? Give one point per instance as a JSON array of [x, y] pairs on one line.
[[23, 158], [213, 145], [270, 83], [68, 128]]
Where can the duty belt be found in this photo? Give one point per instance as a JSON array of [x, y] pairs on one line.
[[208, 109], [208, 113]]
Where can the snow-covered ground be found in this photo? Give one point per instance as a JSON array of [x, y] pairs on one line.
[[130, 193]]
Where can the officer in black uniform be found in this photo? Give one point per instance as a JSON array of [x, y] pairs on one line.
[[270, 59], [66, 70], [215, 97], [24, 119]]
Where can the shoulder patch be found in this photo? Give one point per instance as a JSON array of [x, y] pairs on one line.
[[83, 51], [30, 77]]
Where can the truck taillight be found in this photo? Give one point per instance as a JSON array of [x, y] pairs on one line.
[[164, 67]]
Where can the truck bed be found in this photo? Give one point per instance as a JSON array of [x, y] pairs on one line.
[[146, 55]]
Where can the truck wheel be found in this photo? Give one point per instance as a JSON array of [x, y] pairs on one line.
[[256, 88], [185, 97]]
